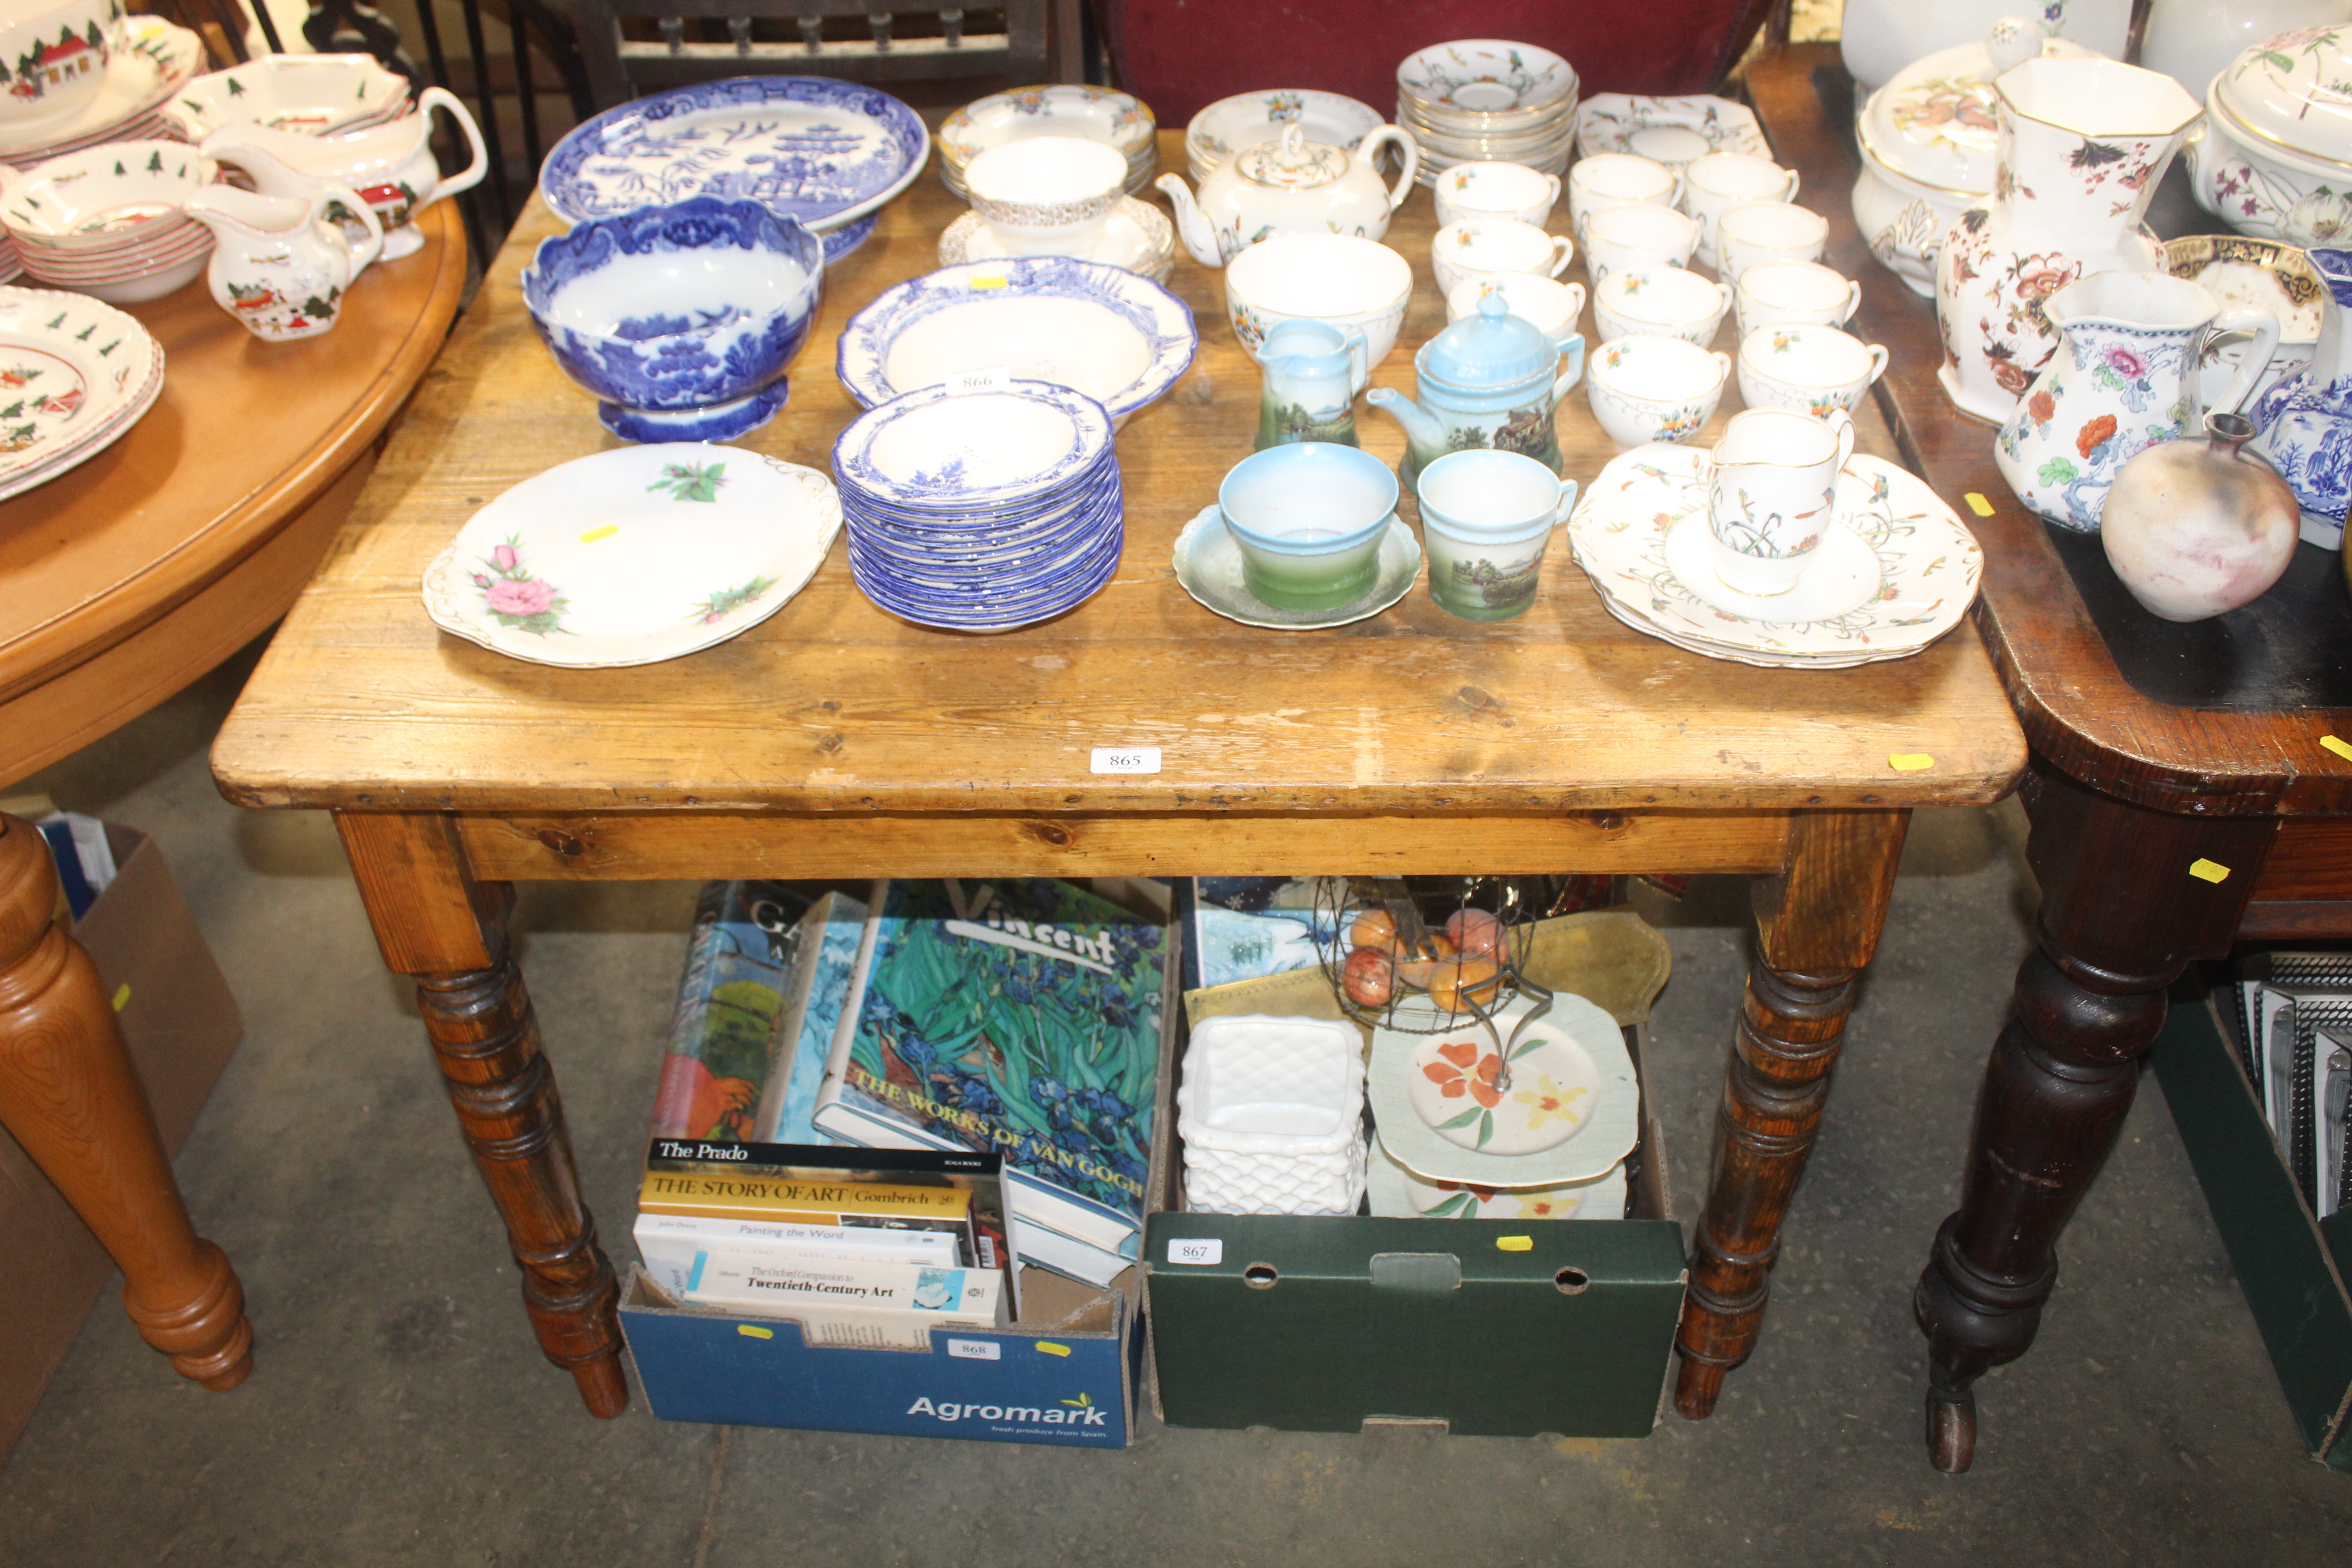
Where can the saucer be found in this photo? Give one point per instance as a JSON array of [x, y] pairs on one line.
[[1616, 121], [1843, 576], [1138, 238], [1398, 1193], [1209, 565]]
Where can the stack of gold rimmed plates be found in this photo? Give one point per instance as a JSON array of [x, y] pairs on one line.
[[74, 375], [1091, 113], [1486, 100], [1895, 570]]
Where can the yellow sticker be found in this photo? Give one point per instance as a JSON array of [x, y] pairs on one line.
[[1513, 1243], [2209, 870], [121, 996], [993, 281], [2337, 746], [749, 1333], [1050, 1347], [1909, 762], [1978, 504], [594, 534]]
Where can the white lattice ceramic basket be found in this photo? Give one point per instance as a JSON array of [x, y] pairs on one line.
[[1271, 1112]]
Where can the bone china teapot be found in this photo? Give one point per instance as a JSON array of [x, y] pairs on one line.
[[1290, 187], [390, 165]]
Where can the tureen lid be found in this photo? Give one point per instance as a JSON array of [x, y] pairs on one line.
[[2294, 91], [1935, 122], [1489, 348], [1291, 161]]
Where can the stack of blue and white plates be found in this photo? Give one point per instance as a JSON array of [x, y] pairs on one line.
[[980, 509]]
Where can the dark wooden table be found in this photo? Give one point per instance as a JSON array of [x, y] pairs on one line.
[[2181, 794]]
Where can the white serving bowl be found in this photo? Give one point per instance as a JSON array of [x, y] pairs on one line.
[[1355, 285], [94, 199]]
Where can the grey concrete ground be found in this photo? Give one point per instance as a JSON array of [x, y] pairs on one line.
[[401, 1415]]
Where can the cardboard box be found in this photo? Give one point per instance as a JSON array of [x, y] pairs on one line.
[[1487, 1327], [181, 1024], [2294, 1281]]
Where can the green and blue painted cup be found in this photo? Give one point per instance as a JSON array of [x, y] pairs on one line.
[[1486, 518], [1309, 518]]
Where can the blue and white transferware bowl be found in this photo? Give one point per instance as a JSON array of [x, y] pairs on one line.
[[1116, 336], [825, 151], [682, 318]]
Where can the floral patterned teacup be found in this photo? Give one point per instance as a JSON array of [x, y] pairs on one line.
[[1771, 487], [1758, 231], [1645, 389], [1810, 368], [1637, 237], [1722, 180], [1774, 293], [1660, 301], [1609, 180], [1494, 189], [1493, 247], [1550, 304]]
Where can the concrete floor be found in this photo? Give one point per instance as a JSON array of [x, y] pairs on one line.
[[401, 1414]]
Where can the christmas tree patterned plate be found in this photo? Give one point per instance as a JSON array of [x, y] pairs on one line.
[[634, 556], [152, 60], [1398, 1193], [74, 375], [1534, 1099]]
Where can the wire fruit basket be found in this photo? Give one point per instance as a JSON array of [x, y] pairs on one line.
[[1421, 957]]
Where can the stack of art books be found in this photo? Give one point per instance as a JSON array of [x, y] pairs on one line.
[[2294, 1024]]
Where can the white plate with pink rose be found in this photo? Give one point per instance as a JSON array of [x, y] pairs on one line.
[[634, 556]]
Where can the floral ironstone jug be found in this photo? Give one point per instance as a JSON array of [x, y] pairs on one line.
[[1488, 380], [2125, 380], [2083, 144], [2306, 419]]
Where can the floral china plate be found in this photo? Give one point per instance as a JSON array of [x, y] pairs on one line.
[[1670, 131], [152, 60], [634, 556], [823, 151], [1538, 1098], [1398, 1193], [1904, 575], [1209, 566], [74, 375]]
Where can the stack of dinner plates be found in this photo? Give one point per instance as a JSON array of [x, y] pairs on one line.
[[980, 505], [1118, 120], [1486, 100], [74, 375]]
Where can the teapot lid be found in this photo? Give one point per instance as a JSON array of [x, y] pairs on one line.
[[1488, 348], [1291, 161], [2290, 91], [1935, 122]]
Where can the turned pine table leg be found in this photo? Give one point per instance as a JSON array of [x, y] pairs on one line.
[[436, 924], [2122, 916], [70, 1096], [1817, 925]]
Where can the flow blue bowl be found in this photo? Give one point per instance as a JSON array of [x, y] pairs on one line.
[[681, 318], [1309, 518]]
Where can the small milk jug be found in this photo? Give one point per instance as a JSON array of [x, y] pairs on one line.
[[1311, 369], [280, 264]]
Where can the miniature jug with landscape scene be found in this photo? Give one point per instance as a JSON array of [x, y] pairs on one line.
[[2306, 419], [1311, 369], [2082, 146], [2125, 380]]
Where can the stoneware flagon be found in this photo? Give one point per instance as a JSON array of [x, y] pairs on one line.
[[390, 165], [280, 264], [1488, 380], [2306, 419]]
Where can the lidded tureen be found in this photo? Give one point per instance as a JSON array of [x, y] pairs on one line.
[[2276, 159], [1290, 185], [1929, 144]]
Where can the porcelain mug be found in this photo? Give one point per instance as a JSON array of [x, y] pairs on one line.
[[1773, 293], [1645, 389], [1551, 305], [1309, 518], [1770, 487], [1486, 517], [1757, 232], [1494, 189], [1660, 301], [1723, 180], [1638, 236], [1812, 368], [1495, 247], [1609, 180], [1047, 195]]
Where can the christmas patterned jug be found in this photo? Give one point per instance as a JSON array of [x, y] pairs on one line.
[[2083, 144]]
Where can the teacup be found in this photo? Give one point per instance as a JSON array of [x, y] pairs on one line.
[[1757, 232], [1309, 518], [1047, 195], [1609, 180], [1637, 237], [1550, 304], [1810, 368], [1493, 248], [1494, 189], [1723, 180], [1355, 285], [1770, 487], [1774, 293], [60, 54], [1486, 517], [1659, 301], [1646, 388]]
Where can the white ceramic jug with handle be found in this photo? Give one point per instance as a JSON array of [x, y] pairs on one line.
[[280, 264], [390, 166]]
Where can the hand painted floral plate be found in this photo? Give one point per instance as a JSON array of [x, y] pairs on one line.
[[1671, 130], [1398, 1193], [634, 556], [1537, 1099]]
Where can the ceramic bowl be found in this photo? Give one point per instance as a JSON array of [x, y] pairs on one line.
[[1047, 195], [1608, 180], [57, 54], [1789, 294], [1494, 189], [1495, 247], [1637, 235], [97, 199], [1355, 285], [1659, 301], [1118, 120], [1551, 305], [1810, 369], [1116, 336], [1230, 124], [2265, 275], [318, 95], [681, 318], [1646, 389], [1309, 518]]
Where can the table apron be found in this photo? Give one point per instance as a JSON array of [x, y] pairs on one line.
[[650, 845]]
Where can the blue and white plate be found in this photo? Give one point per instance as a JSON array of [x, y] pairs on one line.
[[936, 452], [1113, 334], [825, 151]]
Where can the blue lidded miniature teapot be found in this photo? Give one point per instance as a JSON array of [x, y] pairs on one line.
[[1311, 372], [1491, 379]]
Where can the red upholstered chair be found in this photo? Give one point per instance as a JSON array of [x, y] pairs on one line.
[[1180, 56]]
